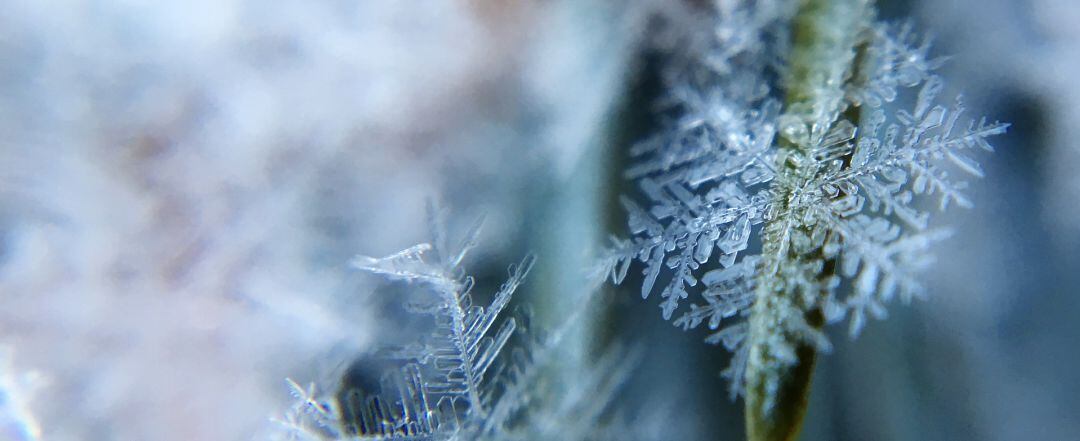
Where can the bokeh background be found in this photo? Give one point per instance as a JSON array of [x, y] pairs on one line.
[[182, 187]]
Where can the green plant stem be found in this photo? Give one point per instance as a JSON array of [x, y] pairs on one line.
[[823, 54]]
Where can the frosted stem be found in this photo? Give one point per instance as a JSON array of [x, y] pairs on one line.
[[777, 380]]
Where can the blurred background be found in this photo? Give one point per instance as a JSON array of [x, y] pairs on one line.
[[182, 187]]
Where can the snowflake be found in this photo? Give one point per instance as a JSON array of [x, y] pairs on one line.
[[828, 181], [462, 382]]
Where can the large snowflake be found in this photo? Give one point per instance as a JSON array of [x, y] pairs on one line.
[[831, 188]]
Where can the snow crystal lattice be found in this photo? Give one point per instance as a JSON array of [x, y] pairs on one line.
[[841, 185], [461, 383]]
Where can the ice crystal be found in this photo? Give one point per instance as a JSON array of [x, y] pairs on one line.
[[830, 184], [462, 382], [17, 420]]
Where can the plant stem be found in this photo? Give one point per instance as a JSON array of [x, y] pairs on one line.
[[823, 54]]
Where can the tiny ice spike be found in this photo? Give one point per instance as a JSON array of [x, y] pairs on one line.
[[461, 382], [828, 184]]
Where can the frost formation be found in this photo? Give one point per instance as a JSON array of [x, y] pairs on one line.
[[829, 186], [462, 382]]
